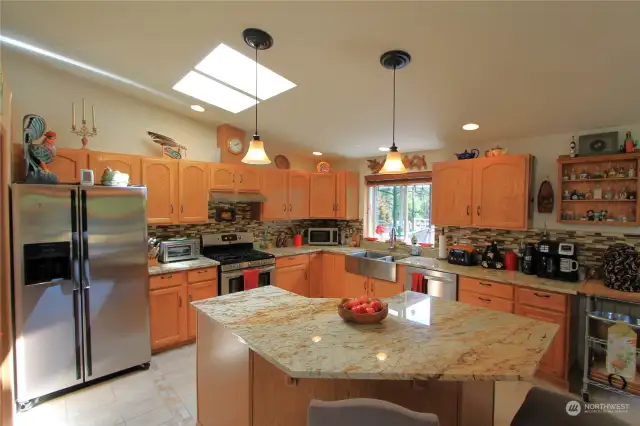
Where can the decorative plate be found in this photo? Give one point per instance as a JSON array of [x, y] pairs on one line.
[[282, 162], [323, 167]]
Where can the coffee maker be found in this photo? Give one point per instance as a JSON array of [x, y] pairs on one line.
[[568, 262], [529, 259], [548, 261]]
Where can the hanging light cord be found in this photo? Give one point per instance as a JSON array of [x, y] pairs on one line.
[[257, 91], [393, 131]]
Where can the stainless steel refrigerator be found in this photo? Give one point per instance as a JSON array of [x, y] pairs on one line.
[[81, 303]]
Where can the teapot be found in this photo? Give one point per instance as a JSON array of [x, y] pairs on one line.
[[466, 155]]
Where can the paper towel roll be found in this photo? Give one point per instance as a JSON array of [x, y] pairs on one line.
[[442, 247]]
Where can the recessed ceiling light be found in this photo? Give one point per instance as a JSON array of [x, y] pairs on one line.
[[316, 153], [210, 91], [233, 68], [470, 126], [197, 108], [383, 148]]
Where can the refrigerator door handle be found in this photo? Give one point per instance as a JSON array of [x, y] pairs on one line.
[[86, 280], [75, 251]]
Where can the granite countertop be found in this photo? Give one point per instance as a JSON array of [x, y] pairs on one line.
[[186, 265], [295, 251], [423, 338], [508, 277]]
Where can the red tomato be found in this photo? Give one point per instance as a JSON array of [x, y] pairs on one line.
[[359, 309], [376, 305], [351, 304], [371, 311], [363, 299]]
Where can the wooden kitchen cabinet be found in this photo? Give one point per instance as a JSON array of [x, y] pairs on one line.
[[298, 192], [222, 177], [248, 178], [193, 192], [316, 274], [160, 176], [125, 163], [198, 291], [354, 285], [167, 314], [485, 301], [381, 289], [484, 192], [332, 275], [292, 274], [274, 188], [68, 163], [451, 197], [323, 195], [347, 201], [501, 192]]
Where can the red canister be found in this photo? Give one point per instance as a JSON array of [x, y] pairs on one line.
[[511, 261], [297, 240]]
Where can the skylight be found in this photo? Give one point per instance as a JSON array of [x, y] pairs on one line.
[[235, 69], [210, 91]]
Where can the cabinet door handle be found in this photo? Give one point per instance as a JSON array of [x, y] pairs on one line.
[[336, 206], [305, 275], [373, 287], [181, 208], [468, 210], [233, 178], [485, 284], [285, 207], [483, 299], [180, 301], [543, 296], [166, 277], [290, 207], [190, 298], [240, 177], [364, 285], [478, 211], [171, 208]]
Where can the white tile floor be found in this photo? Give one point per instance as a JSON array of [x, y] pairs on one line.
[[165, 395]]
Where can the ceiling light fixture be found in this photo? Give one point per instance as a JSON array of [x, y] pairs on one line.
[[470, 126], [316, 153], [259, 40], [210, 91], [197, 108], [383, 149], [235, 69], [394, 60]]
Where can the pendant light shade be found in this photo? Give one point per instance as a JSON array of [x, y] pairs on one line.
[[258, 40], [256, 154], [394, 60]]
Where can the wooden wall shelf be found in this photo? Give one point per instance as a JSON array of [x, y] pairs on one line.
[[625, 212]]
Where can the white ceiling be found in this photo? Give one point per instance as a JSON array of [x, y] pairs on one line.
[[517, 69]]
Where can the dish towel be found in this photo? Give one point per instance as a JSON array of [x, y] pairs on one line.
[[416, 282], [251, 277]]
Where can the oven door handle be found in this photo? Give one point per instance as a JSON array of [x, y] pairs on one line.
[[241, 273]]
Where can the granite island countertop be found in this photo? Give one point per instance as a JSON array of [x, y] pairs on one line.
[[423, 338], [185, 265], [507, 277]]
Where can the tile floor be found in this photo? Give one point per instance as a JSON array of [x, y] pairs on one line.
[[165, 395]]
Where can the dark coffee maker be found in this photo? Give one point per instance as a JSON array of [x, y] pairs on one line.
[[529, 259], [548, 260]]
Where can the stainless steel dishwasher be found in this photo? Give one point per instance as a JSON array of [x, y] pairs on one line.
[[433, 283]]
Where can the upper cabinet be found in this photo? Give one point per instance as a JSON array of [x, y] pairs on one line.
[[68, 163], [452, 184], [193, 191], [129, 164], [232, 178], [323, 195], [298, 195], [486, 192], [347, 190], [274, 188], [160, 176]]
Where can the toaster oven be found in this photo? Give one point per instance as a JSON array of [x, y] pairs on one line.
[[177, 250]]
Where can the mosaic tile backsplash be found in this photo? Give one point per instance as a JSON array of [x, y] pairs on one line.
[[591, 245], [245, 223]]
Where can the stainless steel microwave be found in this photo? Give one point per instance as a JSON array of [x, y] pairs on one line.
[[324, 236], [177, 250]]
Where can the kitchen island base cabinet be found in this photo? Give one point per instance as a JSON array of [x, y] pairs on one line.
[[237, 387]]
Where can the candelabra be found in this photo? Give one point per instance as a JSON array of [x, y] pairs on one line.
[[83, 131]]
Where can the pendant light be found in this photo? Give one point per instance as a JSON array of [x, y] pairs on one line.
[[258, 40], [394, 60]]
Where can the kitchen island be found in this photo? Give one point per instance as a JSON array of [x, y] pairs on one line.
[[263, 354]]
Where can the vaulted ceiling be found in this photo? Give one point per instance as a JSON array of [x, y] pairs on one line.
[[518, 69]]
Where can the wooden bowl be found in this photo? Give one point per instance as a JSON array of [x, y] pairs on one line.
[[350, 316]]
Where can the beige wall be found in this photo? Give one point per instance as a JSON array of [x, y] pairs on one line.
[[546, 150]]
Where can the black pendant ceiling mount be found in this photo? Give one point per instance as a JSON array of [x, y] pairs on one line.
[[395, 59], [257, 39]]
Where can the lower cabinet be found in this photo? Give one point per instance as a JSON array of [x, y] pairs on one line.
[[167, 310], [333, 275], [292, 274], [316, 274], [172, 318], [359, 285]]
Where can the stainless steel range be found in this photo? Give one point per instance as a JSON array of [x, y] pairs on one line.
[[236, 255]]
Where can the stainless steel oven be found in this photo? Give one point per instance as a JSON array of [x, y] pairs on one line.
[[233, 281], [177, 250]]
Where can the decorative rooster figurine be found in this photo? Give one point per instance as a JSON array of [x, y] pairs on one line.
[[37, 156]]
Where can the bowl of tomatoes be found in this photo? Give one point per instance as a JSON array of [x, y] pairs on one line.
[[363, 310]]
